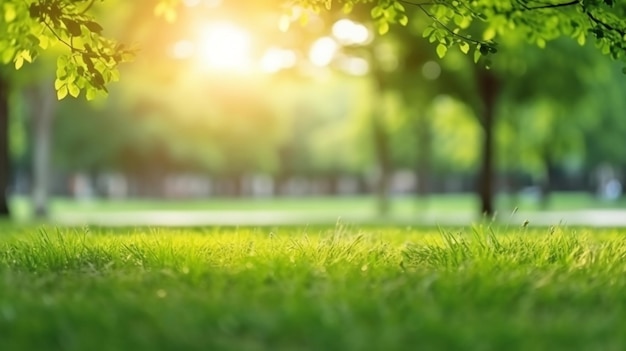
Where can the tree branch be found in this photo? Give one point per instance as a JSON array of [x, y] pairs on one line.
[[549, 6], [605, 25], [45, 23], [422, 7]]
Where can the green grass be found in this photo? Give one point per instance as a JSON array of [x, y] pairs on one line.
[[319, 288]]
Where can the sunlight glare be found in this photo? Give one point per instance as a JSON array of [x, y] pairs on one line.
[[207, 3], [349, 32], [276, 59], [183, 49], [356, 66], [223, 45], [323, 51], [284, 23]]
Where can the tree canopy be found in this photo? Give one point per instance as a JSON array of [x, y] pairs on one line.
[[454, 21], [90, 59]]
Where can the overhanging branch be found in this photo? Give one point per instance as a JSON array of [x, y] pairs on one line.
[[605, 25], [548, 6], [422, 7]]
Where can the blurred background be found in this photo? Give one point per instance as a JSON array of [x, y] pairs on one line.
[[238, 112]]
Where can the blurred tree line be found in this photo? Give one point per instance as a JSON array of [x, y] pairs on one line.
[[547, 117]]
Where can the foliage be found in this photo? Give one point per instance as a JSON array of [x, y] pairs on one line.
[[144, 125], [532, 109], [453, 21], [90, 60], [320, 288], [602, 118]]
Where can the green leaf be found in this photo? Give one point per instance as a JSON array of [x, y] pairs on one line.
[[398, 6], [441, 50], [403, 20], [428, 31], [541, 43], [19, 61], [459, 20], [22, 56], [94, 27], [7, 55], [62, 93], [464, 46], [489, 34], [33, 39], [73, 89], [98, 80], [91, 94], [477, 53], [27, 55], [624, 70], [347, 7], [9, 13], [62, 61], [72, 26], [383, 27], [115, 75], [34, 10], [58, 84], [376, 12], [61, 73], [44, 42]]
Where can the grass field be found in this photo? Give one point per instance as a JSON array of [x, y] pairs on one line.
[[319, 288]]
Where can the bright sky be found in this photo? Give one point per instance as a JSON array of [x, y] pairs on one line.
[[224, 45], [228, 47], [349, 32], [323, 51]]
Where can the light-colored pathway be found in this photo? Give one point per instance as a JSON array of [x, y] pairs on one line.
[[594, 218]]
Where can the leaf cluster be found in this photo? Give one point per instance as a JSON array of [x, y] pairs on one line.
[[453, 21], [90, 60]]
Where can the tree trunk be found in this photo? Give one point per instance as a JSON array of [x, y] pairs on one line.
[[423, 164], [514, 181], [43, 112], [381, 144], [546, 182], [5, 170], [381, 147], [488, 87]]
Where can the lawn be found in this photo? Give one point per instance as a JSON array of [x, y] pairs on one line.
[[312, 288]]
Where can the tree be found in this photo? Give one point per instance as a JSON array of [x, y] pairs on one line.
[[539, 21], [5, 172], [88, 64], [90, 60]]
